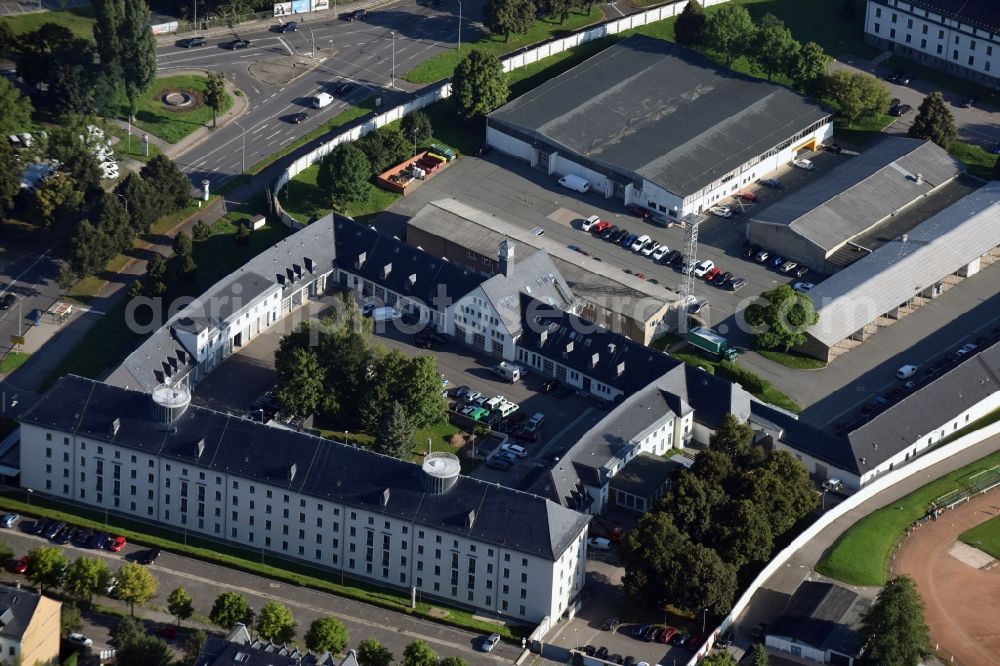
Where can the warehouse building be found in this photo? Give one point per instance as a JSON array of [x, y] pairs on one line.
[[470, 238], [423, 528], [820, 623], [902, 274], [961, 37], [659, 126], [842, 216]]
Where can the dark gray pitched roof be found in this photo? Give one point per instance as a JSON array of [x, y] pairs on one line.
[[661, 111], [644, 474], [574, 342], [221, 652], [533, 278], [834, 449], [407, 270], [820, 615], [323, 469], [983, 13], [229, 298], [17, 607], [711, 397], [855, 194]]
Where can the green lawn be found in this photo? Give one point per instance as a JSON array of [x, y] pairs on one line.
[[861, 555], [304, 201], [343, 118], [443, 65], [979, 161], [985, 537], [172, 126], [12, 360], [122, 149], [793, 360], [79, 20]]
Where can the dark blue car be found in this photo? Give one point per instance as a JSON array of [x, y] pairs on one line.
[[774, 262], [628, 240]]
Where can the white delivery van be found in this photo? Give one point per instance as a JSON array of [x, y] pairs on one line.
[[575, 183], [321, 100], [906, 372], [508, 371], [385, 314]]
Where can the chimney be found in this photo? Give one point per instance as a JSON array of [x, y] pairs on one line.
[[362, 258], [904, 238], [506, 260], [309, 263], [611, 348], [920, 179]]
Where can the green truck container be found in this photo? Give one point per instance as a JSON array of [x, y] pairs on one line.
[[711, 343]]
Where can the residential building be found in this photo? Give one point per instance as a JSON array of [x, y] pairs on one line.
[[29, 627], [659, 126], [819, 623], [332, 506], [240, 648], [961, 37]]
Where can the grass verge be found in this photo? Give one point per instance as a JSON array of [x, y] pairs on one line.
[[979, 161], [793, 360], [172, 126], [665, 341], [861, 555], [79, 20], [346, 116], [121, 147], [443, 65], [304, 200], [12, 360], [255, 562], [985, 537]]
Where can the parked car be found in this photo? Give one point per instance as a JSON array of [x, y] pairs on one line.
[[639, 630], [749, 197], [588, 224], [489, 642], [773, 183], [516, 449], [660, 252], [722, 278], [710, 275], [602, 653], [667, 634], [725, 640], [803, 164], [639, 211], [750, 250], [291, 26], [6, 301], [599, 543], [117, 544], [53, 529], [704, 267], [721, 211], [788, 266], [775, 261], [21, 566], [343, 89], [761, 256], [801, 271], [611, 624], [357, 15], [738, 284], [8, 520], [483, 149], [526, 436], [499, 463], [900, 110], [600, 227], [834, 148], [650, 248], [629, 240], [79, 640], [894, 75], [640, 242], [148, 556]]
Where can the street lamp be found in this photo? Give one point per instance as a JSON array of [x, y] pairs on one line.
[[30, 491], [459, 25], [244, 135], [392, 83], [703, 613]]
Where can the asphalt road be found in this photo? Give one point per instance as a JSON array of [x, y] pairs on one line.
[[30, 277], [362, 52], [206, 581]]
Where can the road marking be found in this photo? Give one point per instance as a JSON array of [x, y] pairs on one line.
[[271, 136], [259, 129]]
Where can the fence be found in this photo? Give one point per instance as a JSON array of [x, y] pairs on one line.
[[827, 519], [441, 91]]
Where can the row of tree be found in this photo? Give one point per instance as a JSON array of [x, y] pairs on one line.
[[721, 515], [331, 369]]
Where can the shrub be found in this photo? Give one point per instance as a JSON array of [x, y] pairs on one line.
[[742, 376]]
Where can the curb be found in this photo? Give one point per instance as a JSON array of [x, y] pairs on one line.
[[241, 104]]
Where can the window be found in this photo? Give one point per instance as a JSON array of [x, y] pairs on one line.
[[892, 34], [909, 24], [923, 29], [972, 60], [878, 12]]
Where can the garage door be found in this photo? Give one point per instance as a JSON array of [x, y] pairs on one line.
[[542, 164]]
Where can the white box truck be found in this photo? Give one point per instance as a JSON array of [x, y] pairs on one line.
[[321, 100]]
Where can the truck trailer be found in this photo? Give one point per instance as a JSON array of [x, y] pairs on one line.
[[711, 343]]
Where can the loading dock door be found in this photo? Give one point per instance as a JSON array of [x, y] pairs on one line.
[[542, 164]]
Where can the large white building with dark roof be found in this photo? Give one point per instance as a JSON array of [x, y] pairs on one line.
[[300, 497], [961, 37], [659, 126]]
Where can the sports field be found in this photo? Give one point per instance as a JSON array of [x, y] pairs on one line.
[[985, 537]]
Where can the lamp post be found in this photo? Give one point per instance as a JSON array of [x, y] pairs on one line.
[[703, 613], [30, 491], [243, 134], [392, 83], [459, 25]]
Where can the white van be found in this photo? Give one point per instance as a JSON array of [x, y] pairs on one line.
[[906, 372], [321, 100], [575, 183]]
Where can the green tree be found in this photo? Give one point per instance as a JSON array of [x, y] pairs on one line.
[[48, 566], [419, 391], [808, 69], [57, 199], [326, 634], [169, 182], [156, 267], [934, 121], [127, 630], [690, 27], [385, 147], [781, 317], [136, 289], [242, 234], [192, 647], [85, 577], [136, 584], [229, 610], [859, 95], [419, 653], [479, 85], [782, 490], [145, 205], [373, 653], [188, 269], [15, 110], [90, 249], [182, 244], [6, 552], [650, 555], [773, 48], [453, 661], [8, 40], [759, 656], [144, 650], [701, 580], [180, 604], [201, 231], [719, 659], [70, 619], [343, 175], [10, 179], [692, 503], [729, 32], [742, 533], [275, 623], [108, 15], [735, 439], [394, 436], [559, 9], [503, 17], [301, 385], [215, 93], [893, 629], [416, 126], [138, 51]]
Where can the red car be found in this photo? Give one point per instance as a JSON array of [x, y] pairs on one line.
[[600, 227], [117, 544], [641, 276], [638, 211], [710, 275], [750, 197], [21, 566], [667, 634]]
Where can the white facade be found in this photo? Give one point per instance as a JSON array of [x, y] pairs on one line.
[[653, 196], [361, 544], [216, 342], [920, 34], [476, 322]]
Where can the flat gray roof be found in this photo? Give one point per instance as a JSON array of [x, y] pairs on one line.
[[900, 269], [661, 111], [861, 191]]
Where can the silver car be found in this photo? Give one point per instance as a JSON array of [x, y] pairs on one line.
[[490, 642]]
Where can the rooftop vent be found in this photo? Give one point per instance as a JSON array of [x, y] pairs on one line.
[[621, 369], [611, 348], [594, 360], [385, 497], [170, 402], [441, 470], [386, 270], [920, 179], [292, 469], [280, 278], [115, 425], [297, 269], [362, 258], [200, 447], [413, 278], [470, 519], [309, 264], [569, 347]]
